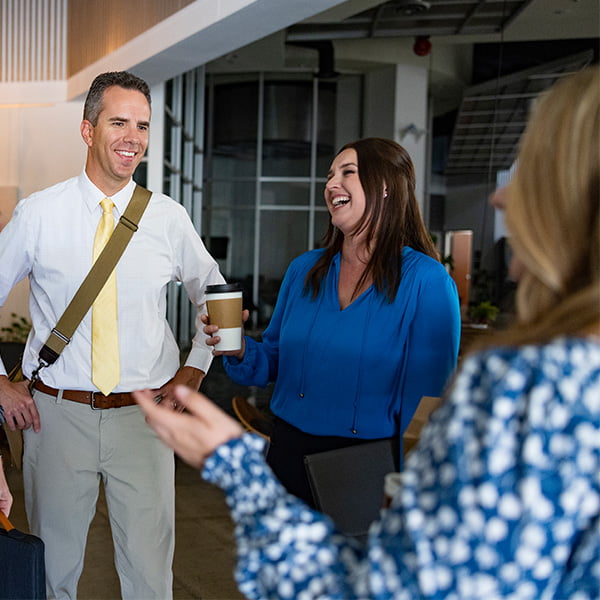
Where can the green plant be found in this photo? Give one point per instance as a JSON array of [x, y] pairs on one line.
[[448, 261], [17, 331], [484, 312], [482, 285]]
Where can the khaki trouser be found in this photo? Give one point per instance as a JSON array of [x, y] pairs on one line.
[[62, 467]]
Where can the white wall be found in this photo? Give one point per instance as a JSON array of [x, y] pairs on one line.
[[468, 207], [18, 300], [8, 201], [41, 146]]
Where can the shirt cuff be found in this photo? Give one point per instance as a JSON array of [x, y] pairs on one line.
[[238, 467], [199, 358]]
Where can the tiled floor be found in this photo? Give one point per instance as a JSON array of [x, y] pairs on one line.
[[204, 548]]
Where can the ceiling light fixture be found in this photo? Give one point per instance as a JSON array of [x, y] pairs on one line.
[[409, 8]]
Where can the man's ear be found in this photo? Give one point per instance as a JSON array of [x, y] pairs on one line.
[[87, 132]]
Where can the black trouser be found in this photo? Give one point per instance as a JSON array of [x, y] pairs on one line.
[[286, 454]]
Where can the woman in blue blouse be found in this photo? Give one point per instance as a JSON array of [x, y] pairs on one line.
[[501, 497], [363, 328]]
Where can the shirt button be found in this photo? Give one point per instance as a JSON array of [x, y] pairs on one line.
[[354, 431], [301, 395]]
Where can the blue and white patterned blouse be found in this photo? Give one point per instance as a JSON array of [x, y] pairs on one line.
[[500, 499]]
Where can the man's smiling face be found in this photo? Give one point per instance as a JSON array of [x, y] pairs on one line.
[[118, 141]]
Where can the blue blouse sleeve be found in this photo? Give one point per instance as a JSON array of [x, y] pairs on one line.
[[434, 341], [501, 498], [436, 326], [260, 363], [285, 549]]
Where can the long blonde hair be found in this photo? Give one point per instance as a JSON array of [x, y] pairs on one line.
[[553, 214]]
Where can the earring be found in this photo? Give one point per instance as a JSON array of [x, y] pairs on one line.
[[385, 194]]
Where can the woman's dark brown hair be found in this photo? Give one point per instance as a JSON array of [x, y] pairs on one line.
[[389, 223]]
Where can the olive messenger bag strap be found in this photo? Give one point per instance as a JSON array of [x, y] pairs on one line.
[[83, 299]]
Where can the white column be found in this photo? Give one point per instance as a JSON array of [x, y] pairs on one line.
[[155, 154], [410, 119], [396, 108]]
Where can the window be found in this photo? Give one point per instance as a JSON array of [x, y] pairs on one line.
[[247, 155], [270, 141]]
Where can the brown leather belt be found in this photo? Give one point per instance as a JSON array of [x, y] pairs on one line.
[[96, 400]]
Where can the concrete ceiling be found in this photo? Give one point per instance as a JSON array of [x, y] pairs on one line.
[[498, 38], [480, 20], [518, 48], [493, 115]]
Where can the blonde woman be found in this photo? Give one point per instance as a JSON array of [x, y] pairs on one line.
[[501, 498]]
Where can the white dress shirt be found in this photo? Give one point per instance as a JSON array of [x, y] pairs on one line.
[[50, 239]]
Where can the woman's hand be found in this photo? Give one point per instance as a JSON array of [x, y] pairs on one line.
[[6, 498], [194, 436], [213, 339]]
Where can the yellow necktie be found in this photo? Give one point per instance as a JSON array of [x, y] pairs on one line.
[[106, 370]]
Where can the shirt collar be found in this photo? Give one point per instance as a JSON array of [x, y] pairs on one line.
[[92, 196]]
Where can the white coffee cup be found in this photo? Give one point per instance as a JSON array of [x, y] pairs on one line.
[[224, 306]]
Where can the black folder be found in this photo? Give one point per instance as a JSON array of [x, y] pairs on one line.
[[347, 483]]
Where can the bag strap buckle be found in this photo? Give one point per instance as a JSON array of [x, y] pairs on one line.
[[36, 375]]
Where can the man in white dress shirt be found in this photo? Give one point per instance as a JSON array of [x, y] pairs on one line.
[[69, 446]]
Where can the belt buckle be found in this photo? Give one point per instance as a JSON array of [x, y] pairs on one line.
[[93, 401]]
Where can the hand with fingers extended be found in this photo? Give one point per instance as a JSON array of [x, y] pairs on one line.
[[195, 434], [213, 338], [19, 407]]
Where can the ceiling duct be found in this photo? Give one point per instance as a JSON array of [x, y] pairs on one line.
[[326, 61], [326, 57], [412, 18]]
